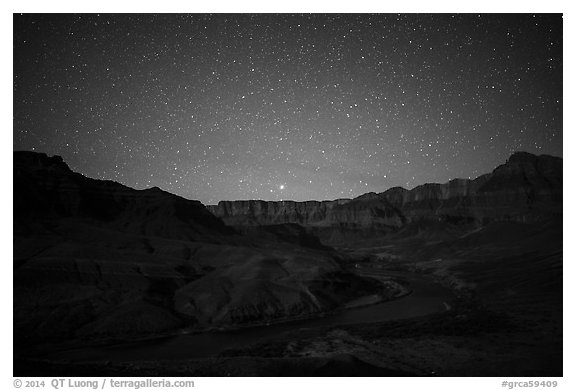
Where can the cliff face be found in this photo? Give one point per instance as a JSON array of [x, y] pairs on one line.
[[333, 222], [525, 188], [259, 212]]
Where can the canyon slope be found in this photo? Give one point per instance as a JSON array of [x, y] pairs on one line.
[[117, 281], [527, 188], [97, 260]]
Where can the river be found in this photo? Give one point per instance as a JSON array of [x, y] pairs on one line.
[[426, 298]]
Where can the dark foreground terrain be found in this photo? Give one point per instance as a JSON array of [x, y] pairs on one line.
[[458, 279]]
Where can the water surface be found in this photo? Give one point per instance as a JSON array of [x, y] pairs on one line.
[[426, 298]]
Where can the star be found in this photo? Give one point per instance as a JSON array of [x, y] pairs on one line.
[[191, 103]]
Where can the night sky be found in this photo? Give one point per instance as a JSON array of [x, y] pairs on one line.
[[300, 107]]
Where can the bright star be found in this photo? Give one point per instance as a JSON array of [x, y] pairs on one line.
[[281, 186]]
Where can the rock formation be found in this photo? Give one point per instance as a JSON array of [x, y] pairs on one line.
[[46, 188], [95, 259], [525, 188]]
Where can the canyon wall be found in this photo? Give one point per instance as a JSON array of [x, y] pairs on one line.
[[526, 188]]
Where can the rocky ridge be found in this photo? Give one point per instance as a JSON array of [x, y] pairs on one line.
[[526, 188]]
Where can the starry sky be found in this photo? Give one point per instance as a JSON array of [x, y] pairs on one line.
[[286, 107]]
